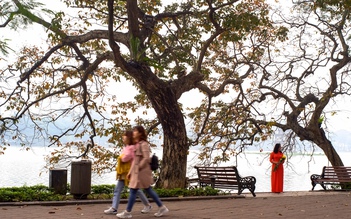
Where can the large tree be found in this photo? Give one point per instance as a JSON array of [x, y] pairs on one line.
[[296, 87], [163, 51]]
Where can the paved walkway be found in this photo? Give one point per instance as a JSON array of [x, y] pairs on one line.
[[287, 205]]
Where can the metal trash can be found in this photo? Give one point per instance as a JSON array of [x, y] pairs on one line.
[[80, 179], [58, 181]]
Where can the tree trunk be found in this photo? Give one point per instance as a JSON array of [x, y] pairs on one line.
[[174, 161], [328, 149], [317, 136], [175, 148], [314, 133], [331, 154]]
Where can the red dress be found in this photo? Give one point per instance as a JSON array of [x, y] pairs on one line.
[[277, 177]]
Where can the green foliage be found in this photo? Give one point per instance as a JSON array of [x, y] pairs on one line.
[[102, 189], [330, 5], [332, 9], [134, 48], [43, 193], [28, 193], [179, 192], [4, 48], [342, 186]]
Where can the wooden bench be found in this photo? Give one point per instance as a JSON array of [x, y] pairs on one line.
[[226, 178], [337, 175]]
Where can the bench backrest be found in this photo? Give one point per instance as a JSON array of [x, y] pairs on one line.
[[226, 177], [337, 172]]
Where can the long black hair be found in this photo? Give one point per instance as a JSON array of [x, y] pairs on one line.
[[276, 148]]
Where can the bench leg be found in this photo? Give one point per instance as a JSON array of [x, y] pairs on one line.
[[315, 177], [322, 184], [240, 190], [251, 188], [325, 188], [313, 185]]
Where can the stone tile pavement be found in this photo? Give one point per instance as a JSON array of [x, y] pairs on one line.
[[299, 205]]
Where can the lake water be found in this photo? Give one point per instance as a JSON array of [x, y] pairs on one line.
[[19, 168]]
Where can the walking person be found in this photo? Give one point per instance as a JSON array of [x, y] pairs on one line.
[[123, 166], [277, 158], [140, 174]]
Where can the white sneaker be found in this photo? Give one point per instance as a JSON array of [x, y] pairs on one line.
[[110, 211], [146, 209], [161, 211], [124, 214]]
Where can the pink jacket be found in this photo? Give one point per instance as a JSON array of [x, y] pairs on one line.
[[140, 171], [128, 153]]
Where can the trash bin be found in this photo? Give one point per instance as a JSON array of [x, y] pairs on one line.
[[80, 179], [58, 181]]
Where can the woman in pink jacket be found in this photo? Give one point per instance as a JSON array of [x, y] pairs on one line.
[[124, 162], [140, 174]]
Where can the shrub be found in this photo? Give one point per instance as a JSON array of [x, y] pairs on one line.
[[43, 193]]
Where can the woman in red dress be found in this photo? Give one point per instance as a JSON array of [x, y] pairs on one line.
[[277, 159]]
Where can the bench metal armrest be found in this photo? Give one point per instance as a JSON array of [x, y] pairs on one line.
[[315, 176], [248, 180]]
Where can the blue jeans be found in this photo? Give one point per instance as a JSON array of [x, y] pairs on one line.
[[133, 193], [118, 191]]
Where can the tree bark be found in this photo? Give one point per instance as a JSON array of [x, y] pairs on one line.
[[174, 160], [175, 147], [329, 149], [315, 134]]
